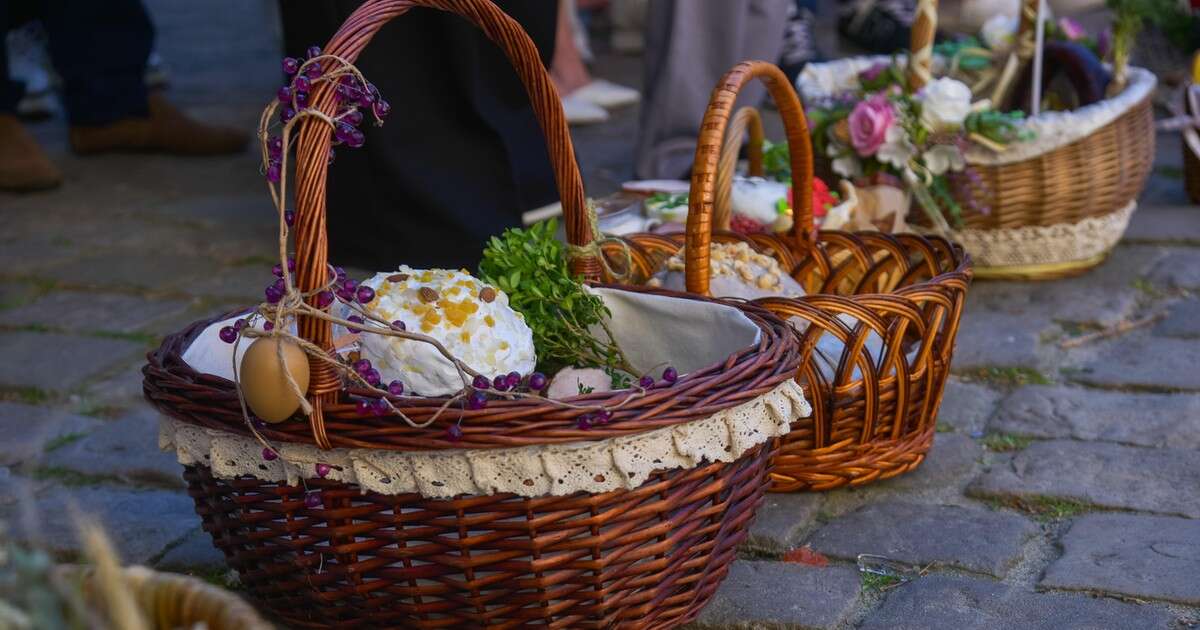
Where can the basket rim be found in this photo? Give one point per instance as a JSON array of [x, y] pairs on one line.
[[209, 401]]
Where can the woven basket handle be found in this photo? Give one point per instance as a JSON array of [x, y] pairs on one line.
[[708, 152], [925, 27], [747, 119], [315, 138]]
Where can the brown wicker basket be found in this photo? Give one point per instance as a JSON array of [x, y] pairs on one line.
[[1059, 212], [646, 557], [875, 417]]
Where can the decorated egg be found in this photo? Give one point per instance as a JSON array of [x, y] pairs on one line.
[[264, 383]]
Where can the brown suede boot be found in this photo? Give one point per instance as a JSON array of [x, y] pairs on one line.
[[23, 165], [167, 130]]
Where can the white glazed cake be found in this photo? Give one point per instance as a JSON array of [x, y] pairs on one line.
[[473, 320]]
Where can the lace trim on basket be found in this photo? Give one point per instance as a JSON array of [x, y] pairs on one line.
[[561, 469], [1044, 245]]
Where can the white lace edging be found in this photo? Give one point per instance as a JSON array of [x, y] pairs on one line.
[[1045, 244], [559, 469], [1051, 129]]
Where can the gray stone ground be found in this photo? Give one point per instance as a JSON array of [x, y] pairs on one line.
[[1062, 492]]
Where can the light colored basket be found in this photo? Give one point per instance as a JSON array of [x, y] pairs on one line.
[[1057, 204], [170, 600]]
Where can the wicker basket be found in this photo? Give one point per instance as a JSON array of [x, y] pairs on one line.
[[874, 416], [172, 601], [1058, 206], [640, 556], [1191, 162]]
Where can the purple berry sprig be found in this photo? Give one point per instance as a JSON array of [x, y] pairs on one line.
[[352, 94]]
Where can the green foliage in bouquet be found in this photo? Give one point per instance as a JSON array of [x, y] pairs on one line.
[[777, 162], [1130, 16], [530, 265]]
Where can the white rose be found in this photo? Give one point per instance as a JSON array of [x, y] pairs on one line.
[[945, 104], [944, 157], [897, 149], [999, 31]]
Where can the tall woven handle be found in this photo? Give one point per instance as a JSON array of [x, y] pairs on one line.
[[925, 27], [315, 138], [708, 153], [745, 120]]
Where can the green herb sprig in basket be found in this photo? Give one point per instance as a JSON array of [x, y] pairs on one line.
[[530, 265]]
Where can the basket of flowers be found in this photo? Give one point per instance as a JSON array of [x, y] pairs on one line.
[[1053, 203], [877, 313], [399, 453]]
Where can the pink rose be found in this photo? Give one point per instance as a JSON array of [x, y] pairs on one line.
[[869, 123]]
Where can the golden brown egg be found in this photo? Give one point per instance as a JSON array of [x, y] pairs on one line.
[[264, 384]]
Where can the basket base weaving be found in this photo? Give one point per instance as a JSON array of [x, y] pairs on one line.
[[650, 557]]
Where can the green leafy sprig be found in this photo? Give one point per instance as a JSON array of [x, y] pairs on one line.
[[530, 265]]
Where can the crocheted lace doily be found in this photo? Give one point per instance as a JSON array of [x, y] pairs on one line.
[[561, 469], [1050, 244], [1051, 130]]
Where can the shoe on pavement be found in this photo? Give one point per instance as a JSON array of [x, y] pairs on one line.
[[582, 112], [24, 166], [607, 94], [166, 130]]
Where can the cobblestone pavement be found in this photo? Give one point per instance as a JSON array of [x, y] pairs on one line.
[[1063, 490]]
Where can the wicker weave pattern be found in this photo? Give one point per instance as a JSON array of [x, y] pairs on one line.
[[649, 557], [875, 417]]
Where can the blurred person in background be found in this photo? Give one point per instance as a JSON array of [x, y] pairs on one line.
[[689, 47], [100, 52], [461, 156], [585, 99]]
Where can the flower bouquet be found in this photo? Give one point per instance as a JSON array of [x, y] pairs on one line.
[[1051, 205], [886, 135]]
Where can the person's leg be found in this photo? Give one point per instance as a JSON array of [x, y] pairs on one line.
[[23, 164], [689, 46], [100, 50]]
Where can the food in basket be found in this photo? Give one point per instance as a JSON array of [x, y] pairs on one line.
[[472, 319], [667, 207], [264, 382], [737, 271], [761, 201]]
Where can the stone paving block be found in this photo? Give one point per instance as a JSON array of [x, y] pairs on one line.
[[27, 429], [1148, 557], [1144, 362], [15, 294], [119, 388], [938, 601], [1055, 411], [58, 362], [1163, 224], [142, 523], [80, 311], [975, 539], [1182, 320], [1105, 296], [126, 449], [990, 339], [1180, 269], [194, 553], [782, 521], [127, 269], [1166, 481], [949, 466], [967, 406], [244, 284], [781, 595]]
